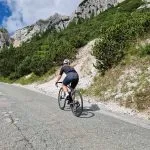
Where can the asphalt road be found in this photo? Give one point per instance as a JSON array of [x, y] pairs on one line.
[[33, 121]]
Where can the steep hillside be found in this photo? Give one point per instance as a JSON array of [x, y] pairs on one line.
[[118, 27], [56, 21], [86, 9], [84, 66], [128, 83]]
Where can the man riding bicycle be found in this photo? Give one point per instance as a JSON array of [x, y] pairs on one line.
[[72, 77]]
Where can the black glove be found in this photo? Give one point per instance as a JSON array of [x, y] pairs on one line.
[[56, 84]]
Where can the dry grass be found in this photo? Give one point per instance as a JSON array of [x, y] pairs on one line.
[[105, 83], [128, 84], [142, 99]]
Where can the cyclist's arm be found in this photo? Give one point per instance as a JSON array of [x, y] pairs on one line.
[[58, 78], [60, 74]]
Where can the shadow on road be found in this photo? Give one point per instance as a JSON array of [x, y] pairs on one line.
[[67, 108], [88, 111]]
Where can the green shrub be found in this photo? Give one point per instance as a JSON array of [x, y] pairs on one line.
[[3, 30], [111, 48], [130, 5], [109, 54], [144, 50], [24, 67]]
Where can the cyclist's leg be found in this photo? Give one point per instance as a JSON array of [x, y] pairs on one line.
[[65, 89], [66, 81], [74, 83], [75, 80]]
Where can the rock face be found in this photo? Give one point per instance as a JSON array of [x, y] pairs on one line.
[[86, 9], [56, 21], [92, 7], [4, 38], [146, 5]]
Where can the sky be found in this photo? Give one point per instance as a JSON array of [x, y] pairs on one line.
[[16, 14]]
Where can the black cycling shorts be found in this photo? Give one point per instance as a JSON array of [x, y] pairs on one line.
[[71, 78]]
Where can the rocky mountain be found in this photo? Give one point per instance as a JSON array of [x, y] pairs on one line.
[[4, 38], [85, 9], [146, 5], [56, 21], [93, 7]]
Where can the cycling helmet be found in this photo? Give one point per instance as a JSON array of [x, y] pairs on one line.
[[66, 61]]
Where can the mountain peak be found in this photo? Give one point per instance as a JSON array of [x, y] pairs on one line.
[[86, 9]]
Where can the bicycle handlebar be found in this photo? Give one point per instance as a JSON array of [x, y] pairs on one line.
[[59, 82]]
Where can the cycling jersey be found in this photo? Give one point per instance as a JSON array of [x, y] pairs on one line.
[[71, 76], [66, 69]]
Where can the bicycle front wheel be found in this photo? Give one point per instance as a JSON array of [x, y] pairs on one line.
[[77, 104], [61, 100]]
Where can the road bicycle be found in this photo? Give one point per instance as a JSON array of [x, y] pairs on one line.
[[74, 99]]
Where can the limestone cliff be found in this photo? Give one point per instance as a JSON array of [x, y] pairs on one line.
[[56, 21], [86, 9], [93, 7], [4, 38]]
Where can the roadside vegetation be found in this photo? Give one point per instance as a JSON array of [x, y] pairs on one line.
[[31, 78], [128, 83], [3, 30], [115, 27]]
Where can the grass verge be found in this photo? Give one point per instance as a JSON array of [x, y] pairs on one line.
[[128, 83]]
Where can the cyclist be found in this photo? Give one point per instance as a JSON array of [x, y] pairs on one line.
[[72, 77]]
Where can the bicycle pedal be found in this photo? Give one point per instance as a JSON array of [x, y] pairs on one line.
[[61, 97], [68, 98], [77, 104], [71, 105], [68, 102]]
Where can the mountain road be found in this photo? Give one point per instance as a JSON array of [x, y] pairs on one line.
[[33, 121]]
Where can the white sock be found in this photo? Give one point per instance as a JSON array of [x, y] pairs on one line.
[[66, 94]]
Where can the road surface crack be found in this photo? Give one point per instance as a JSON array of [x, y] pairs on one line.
[[24, 138]]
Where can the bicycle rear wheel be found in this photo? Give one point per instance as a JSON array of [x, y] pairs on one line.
[[77, 104], [61, 100]]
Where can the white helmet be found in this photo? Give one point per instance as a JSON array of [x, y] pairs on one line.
[[66, 61]]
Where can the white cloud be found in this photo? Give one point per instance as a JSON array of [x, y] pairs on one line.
[[27, 12]]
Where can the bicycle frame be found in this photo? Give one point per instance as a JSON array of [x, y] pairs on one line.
[[74, 105], [69, 87]]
